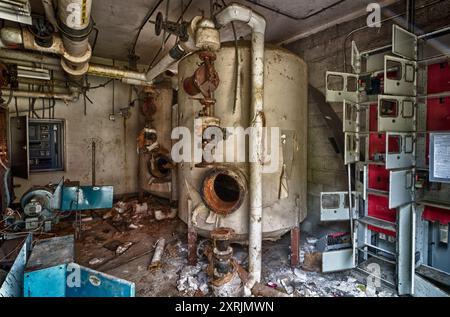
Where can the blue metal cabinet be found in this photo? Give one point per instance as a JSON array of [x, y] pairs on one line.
[[52, 272], [86, 197]]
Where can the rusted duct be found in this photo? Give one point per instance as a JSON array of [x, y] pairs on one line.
[[236, 12]]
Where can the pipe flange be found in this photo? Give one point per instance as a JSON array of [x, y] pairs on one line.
[[223, 254], [74, 34], [222, 234], [79, 59], [80, 70], [220, 281]]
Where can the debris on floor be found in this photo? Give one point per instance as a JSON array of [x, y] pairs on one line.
[[157, 255], [193, 279], [123, 248], [299, 283], [112, 247]]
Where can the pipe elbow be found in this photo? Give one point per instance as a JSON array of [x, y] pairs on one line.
[[257, 23], [233, 12], [238, 12]]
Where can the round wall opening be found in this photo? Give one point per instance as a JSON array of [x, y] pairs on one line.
[[223, 191], [159, 166]]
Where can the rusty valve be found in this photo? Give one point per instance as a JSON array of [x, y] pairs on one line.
[[205, 79]]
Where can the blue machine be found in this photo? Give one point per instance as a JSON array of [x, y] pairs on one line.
[[52, 272], [41, 204]]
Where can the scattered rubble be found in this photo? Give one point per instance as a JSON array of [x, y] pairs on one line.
[[123, 248], [311, 240], [193, 279], [301, 283], [96, 261]]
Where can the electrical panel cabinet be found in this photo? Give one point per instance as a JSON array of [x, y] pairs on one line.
[[37, 145], [397, 133], [46, 145]]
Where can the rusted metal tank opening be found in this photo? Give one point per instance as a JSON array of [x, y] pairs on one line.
[[159, 166], [223, 191]]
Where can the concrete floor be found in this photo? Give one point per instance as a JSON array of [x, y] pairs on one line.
[[175, 278]]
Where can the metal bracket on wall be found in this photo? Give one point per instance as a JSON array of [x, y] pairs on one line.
[[334, 206], [400, 76], [341, 86], [400, 150], [396, 113]]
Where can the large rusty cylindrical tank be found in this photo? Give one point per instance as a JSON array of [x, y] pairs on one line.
[[218, 195]]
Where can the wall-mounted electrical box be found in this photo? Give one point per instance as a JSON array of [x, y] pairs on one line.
[[37, 145]]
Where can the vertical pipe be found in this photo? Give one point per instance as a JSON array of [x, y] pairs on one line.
[[192, 237], [236, 12], [295, 246], [256, 165], [93, 162]]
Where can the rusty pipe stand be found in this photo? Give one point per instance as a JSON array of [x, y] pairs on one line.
[[295, 247]]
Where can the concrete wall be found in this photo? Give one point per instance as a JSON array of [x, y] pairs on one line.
[[116, 156], [324, 51]]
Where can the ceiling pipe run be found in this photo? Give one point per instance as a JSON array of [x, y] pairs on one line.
[[98, 70], [14, 38], [236, 12], [175, 54], [50, 13], [66, 97], [126, 76]]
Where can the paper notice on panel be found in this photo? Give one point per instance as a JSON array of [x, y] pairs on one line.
[[441, 155]]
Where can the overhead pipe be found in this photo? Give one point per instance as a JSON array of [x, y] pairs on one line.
[[98, 70], [29, 57], [66, 97], [174, 55], [14, 38], [126, 76], [50, 13], [73, 20], [237, 12], [199, 37]]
